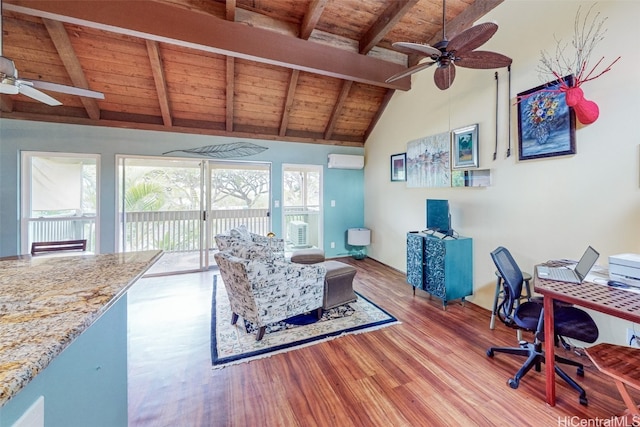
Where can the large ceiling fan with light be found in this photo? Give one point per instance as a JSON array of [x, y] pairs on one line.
[[460, 50], [10, 84]]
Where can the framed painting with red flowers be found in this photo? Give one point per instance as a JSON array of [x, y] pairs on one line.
[[546, 124]]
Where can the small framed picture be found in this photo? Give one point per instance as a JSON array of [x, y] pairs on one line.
[[399, 167], [546, 125], [464, 147]]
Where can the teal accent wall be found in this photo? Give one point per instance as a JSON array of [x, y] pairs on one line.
[[346, 187]]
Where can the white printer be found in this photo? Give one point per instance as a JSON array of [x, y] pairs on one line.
[[625, 267]]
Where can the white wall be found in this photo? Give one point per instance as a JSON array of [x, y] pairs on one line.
[[522, 210]]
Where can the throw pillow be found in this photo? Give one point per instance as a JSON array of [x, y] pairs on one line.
[[241, 232]]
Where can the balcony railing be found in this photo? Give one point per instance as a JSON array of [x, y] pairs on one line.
[[171, 231], [63, 228]]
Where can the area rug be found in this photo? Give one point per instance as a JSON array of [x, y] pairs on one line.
[[232, 344]]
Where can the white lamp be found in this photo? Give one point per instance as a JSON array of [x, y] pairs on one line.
[[359, 238]]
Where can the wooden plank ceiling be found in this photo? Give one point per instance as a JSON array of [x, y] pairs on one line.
[[293, 70]]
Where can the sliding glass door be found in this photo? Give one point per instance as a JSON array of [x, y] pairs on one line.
[[160, 207], [240, 194], [178, 205]]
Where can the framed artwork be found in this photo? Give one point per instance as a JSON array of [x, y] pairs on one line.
[[464, 147], [399, 167], [429, 160], [546, 124]]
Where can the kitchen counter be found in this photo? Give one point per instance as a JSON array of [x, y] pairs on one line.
[[46, 303]]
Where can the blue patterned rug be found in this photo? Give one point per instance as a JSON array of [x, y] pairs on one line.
[[232, 344]]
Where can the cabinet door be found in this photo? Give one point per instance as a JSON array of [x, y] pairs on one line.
[[434, 275], [415, 264]]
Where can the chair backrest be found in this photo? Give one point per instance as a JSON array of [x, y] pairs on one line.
[[511, 277], [58, 246]]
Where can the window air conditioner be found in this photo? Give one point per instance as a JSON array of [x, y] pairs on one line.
[[345, 161], [298, 233]]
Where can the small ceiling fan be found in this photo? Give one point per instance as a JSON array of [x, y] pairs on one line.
[[460, 50], [10, 84]]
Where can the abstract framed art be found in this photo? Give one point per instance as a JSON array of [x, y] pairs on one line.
[[464, 147], [399, 167], [546, 124], [429, 160]]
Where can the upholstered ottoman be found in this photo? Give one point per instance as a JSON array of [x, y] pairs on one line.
[[338, 284], [307, 256]]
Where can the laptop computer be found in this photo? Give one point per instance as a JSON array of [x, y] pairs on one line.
[[564, 274]]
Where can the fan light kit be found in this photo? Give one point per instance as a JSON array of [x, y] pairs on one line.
[[459, 50]]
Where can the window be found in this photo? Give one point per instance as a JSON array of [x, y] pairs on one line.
[[59, 198]]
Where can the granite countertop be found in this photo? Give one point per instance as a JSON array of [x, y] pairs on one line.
[[45, 303]]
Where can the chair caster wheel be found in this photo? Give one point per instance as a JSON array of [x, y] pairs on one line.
[[490, 353], [580, 372], [583, 401], [513, 383]]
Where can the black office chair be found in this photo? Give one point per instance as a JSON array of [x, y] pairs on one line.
[[569, 321]]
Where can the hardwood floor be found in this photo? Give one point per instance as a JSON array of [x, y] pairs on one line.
[[430, 370]]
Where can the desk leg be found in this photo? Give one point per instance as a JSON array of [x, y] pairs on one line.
[[549, 354]]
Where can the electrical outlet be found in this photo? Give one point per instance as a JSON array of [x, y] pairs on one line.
[[633, 340], [333, 245]]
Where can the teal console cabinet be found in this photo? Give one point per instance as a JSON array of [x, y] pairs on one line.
[[441, 267]]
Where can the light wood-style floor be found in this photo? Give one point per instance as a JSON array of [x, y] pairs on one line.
[[431, 370]]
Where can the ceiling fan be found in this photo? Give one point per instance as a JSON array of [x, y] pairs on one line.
[[10, 84], [460, 50]]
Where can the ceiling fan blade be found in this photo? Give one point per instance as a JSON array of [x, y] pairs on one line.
[[409, 71], [417, 48], [71, 90], [31, 92], [483, 60], [443, 77], [472, 38]]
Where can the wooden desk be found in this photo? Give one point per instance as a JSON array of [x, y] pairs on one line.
[[605, 299]]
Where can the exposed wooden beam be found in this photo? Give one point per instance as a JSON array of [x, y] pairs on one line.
[[337, 108], [157, 69], [311, 18], [169, 24], [291, 91], [230, 14], [299, 137], [68, 57], [465, 19], [389, 18], [230, 92], [230, 10]]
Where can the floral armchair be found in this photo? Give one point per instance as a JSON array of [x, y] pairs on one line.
[[263, 291]]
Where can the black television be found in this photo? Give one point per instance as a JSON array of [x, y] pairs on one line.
[[438, 216]]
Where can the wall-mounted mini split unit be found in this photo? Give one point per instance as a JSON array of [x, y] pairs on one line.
[[345, 161]]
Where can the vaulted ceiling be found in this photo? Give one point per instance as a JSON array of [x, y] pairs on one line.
[[293, 70]]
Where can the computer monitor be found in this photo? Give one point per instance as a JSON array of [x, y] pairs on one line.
[[438, 216]]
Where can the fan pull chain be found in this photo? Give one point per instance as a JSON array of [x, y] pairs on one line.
[[509, 127], [495, 151]]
